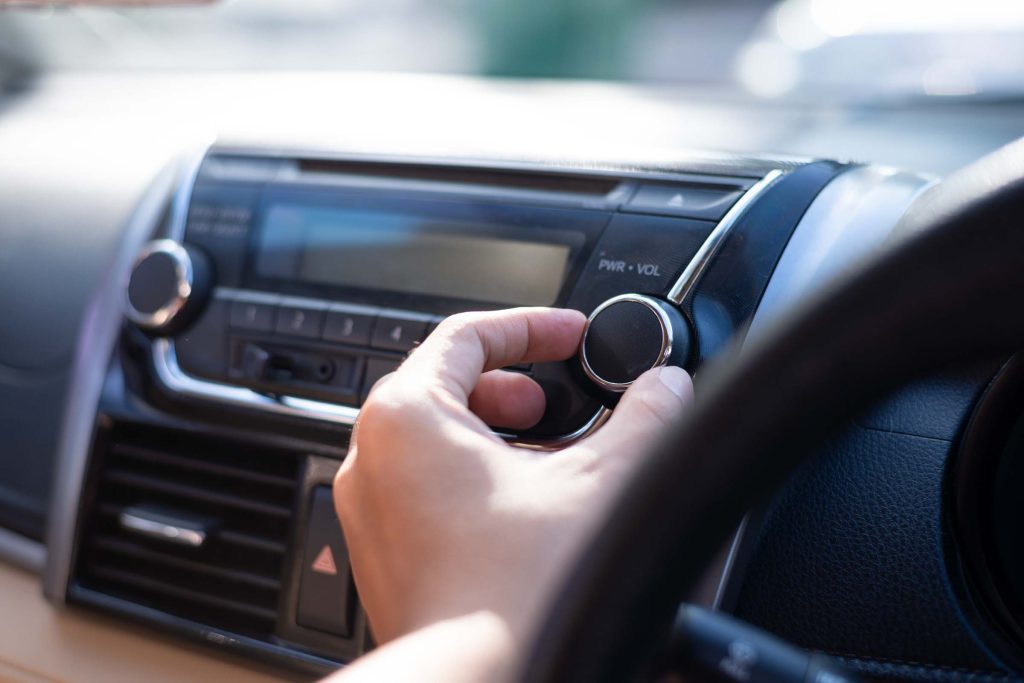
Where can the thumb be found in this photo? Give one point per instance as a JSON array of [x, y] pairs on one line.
[[658, 398]]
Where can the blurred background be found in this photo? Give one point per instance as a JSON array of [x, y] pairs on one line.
[[764, 48], [929, 85]]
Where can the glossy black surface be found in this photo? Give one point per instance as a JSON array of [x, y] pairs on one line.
[[722, 304], [154, 283], [623, 341]]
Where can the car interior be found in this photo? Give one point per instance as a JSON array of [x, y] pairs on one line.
[[221, 223]]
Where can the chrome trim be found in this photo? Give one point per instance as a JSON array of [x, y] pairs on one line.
[[683, 163], [729, 564], [22, 552], [184, 273], [152, 528], [556, 443], [165, 363], [171, 375], [702, 259], [663, 353], [854, 215], [97, 336]]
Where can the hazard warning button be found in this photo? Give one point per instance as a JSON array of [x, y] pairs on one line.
[[326, 593], [324, 562]]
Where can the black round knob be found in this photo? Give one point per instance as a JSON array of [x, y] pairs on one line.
[[628, 335], [167, 286]]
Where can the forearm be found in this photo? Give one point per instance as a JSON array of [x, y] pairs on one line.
[[476, 647]]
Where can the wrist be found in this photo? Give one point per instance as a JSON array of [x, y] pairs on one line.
[[474, 647]]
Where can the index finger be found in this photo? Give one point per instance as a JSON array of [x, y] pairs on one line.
[[467, 345]]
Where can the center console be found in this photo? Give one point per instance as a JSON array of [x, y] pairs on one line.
[[266, 296], [308, 281]]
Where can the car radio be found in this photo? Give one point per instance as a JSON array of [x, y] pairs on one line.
[[292, 284]]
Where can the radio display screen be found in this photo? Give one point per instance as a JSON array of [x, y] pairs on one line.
[[414, 254]]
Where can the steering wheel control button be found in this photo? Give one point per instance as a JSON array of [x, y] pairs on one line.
[[399, 331], [630, 334], [326, 592], [349, 325], [167, 286], [712, 645]]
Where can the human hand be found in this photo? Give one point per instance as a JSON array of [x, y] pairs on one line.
[[443, 519]]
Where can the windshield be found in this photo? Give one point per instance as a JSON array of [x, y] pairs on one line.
[[762, 48]]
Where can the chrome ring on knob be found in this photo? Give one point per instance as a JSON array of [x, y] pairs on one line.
[[184, 275], [666, 338]]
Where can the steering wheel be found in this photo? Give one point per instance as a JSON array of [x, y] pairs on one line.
[[950, 288]]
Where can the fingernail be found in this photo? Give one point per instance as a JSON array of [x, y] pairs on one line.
[[676, 380]]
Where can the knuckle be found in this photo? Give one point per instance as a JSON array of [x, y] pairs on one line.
[[391, 412], [383, 409]]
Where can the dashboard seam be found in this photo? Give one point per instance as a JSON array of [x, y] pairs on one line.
[[898, 432]]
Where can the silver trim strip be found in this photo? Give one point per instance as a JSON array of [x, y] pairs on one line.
[[663, 353], [184, 274], [702, 259], [151, 528], [22, 552], [173, 377], [559, 442], [101, 324], [850, 218]]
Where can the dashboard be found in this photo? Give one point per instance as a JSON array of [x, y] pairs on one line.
[[224, 318]]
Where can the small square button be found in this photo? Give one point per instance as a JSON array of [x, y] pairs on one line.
[[252, 315], [375, 369], [349, 325], [399, 331], [299, 321]]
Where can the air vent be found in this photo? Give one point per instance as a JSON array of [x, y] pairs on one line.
[[190, 525]]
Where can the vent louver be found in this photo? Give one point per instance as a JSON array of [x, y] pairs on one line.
[[229, 576]]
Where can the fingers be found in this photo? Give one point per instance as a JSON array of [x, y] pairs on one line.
[[656, 399], [507, 399], [467, 345]]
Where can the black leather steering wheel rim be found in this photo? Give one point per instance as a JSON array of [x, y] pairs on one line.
[[950, 289]]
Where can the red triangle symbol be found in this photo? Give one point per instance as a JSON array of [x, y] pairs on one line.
[[324, 562]]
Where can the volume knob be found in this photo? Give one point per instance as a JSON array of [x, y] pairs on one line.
[[630, 334], [167, 287]]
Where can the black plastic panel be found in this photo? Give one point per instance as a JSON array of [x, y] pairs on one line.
[[853, 557], [728, 294]]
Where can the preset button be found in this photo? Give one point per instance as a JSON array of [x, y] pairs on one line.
[[300, 320], [349, 324], [399, 331]]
